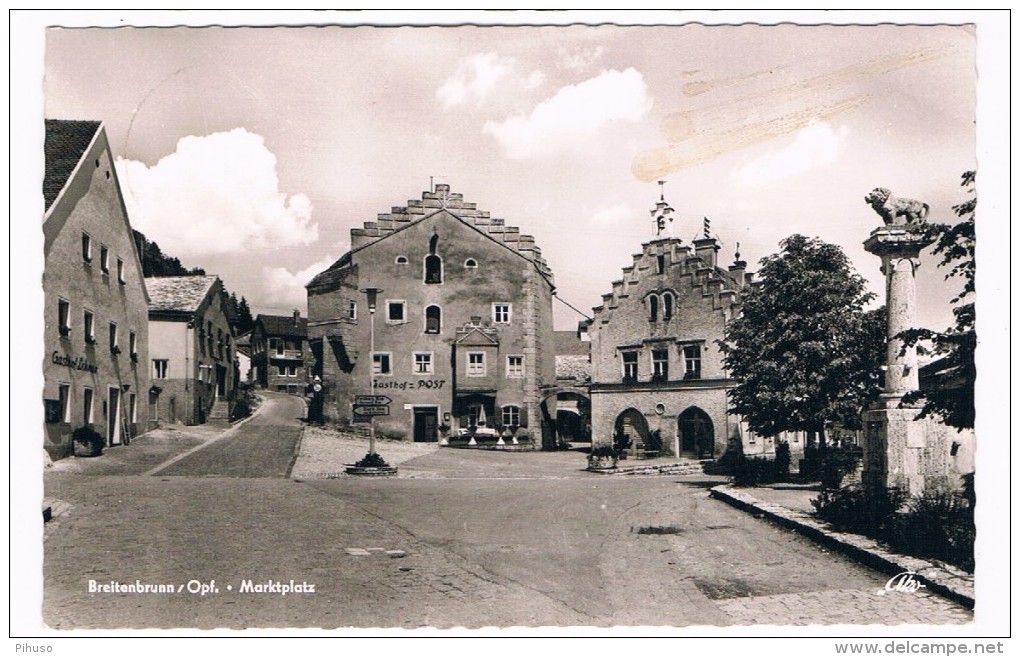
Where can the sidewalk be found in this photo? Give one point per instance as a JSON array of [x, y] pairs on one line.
[[789, 505]]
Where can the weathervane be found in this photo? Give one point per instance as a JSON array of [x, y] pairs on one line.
[[662, 212]]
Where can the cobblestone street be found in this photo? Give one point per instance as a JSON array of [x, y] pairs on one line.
[[460, 539]]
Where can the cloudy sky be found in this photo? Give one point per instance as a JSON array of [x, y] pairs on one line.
[[252, 152]]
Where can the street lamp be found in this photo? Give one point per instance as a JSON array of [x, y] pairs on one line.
[[372, 293]]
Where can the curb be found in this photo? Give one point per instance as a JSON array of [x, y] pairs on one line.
[[665, 468], [942, 580]]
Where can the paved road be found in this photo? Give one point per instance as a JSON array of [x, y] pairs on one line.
[[465, 539], [265, 446]]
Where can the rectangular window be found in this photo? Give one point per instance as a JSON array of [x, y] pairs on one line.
[[104, 258], [159, 368], [133, 346], [352, 310], [660, 364], [120, 271], [515, 367], [276, 344], [64, 391], [86, 247], [87, 415], [64, 317], [423, 363], [660, 264], [501, 313], [394, 311], [381, 363], [692, 362], [476, 363], [287, 370], [511, 416], [630, 359], [132, 408], [114, 338], [90, 327]]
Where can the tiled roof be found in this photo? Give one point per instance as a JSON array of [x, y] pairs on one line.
[[566, 343], [66, 142], [284, 325], [180, 293]]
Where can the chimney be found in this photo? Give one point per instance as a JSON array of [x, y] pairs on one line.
[[706, 249]]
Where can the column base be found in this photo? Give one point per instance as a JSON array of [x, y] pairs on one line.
[[906, 453]]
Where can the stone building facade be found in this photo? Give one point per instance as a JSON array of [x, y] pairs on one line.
[[96, 334], [191, 350], [462, 327], [280, 356], [657, 376]]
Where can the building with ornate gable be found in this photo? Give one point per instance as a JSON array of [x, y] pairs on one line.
[[658, 383], [462, 324]]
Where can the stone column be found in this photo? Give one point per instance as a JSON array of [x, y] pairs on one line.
[[900, 451]]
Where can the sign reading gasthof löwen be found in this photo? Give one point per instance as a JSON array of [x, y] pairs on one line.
[[79, 363], [421, 384]]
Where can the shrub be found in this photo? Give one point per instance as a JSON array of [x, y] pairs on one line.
[[857, 510], [938, 525], [91, 441], [372, 460], [752, 471]]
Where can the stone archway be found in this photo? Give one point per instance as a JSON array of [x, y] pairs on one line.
[[631, 428], [566, 417], [697, 434]]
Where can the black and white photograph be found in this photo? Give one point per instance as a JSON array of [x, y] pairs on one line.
[[478, 323]]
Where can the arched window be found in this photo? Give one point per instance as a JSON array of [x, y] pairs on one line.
[[433, 319], [653, 308], [667, 306], [401, 260], [433, 269], [470, 263]]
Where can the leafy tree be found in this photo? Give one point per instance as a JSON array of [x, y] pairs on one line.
[[804, 351], [955, 243]]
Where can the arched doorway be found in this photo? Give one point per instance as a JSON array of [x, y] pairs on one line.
[[697, 434], [631, 428]]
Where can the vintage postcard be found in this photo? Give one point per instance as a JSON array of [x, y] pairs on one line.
[[516, 323]]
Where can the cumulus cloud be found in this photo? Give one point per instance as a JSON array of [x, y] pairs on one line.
[[474, 78], [613, 214], [814, 146], [217, 193], [285, 289], [573, 115]]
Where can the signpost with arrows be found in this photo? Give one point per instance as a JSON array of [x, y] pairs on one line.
[[368, 406]]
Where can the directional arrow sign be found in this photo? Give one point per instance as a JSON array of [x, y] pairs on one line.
[[371, 400], [372, 410]]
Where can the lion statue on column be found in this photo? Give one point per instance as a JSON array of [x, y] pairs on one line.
[[891, 209]]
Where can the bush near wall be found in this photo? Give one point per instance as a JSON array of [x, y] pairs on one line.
[[938, 525]]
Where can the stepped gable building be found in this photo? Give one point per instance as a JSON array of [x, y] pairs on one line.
[[280, 353], [96, 335], [657, 377], [191, 350], [463, 323]]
